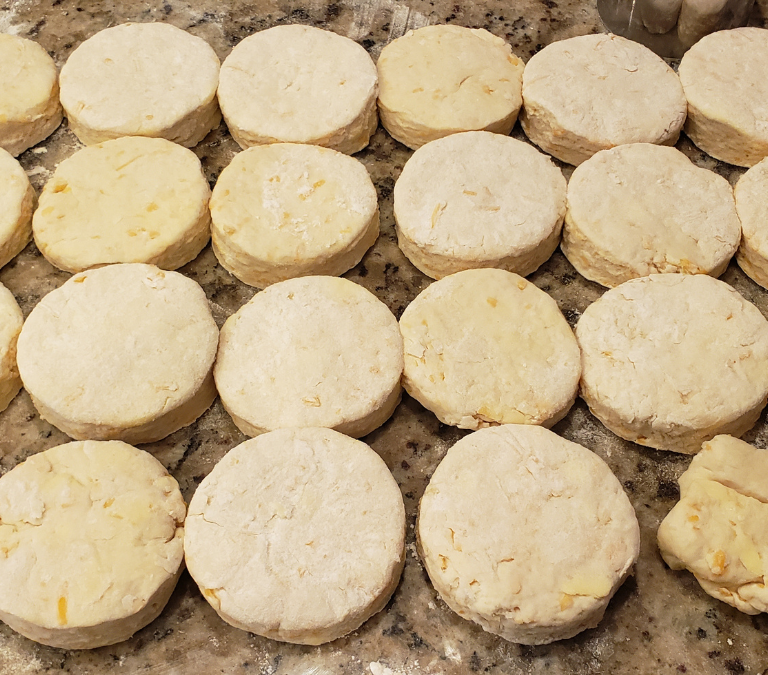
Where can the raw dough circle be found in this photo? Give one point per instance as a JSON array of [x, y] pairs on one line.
[[141, 79], [485, 347], [299, 84], [568, 536], [310, 352], [29, 94], [478, 199], [671, 360], [752, 205], [91, 534], [594, 92], [297, 535], [286, 210], [121, 352], [641, 208], [725, 78], [129, 200], [439, 80], [17, 199], [11, 320]]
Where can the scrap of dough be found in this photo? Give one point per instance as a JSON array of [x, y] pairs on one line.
[[526, 533], [90, 543], [440, 80], [659, 16], [299, 84], [700, 17], [478, 199], [17, 199], [141, 79], [11, 320], [752, 205], [297, 535], [594, 92], [719, 528], [671, 360], [121, 352], [132, 199], [485, 347]]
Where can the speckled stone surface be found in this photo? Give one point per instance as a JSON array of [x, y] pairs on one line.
[[659, 622]]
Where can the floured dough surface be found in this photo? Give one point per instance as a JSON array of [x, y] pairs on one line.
[[132, 199], [17, 199], [439, 80], [752, 205], [526, 533], [120, 352], [141, 79], [299, 84], [314, 351], [297, 535], [486, 347], [91, 536], [639, 209], [286, 210], [725, 78], [719, 528], [29, 94], [594, 92], [478, 199], [671, 360], [11, 320]]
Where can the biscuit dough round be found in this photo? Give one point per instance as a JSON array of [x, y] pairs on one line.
[[485, 347], [17, 200], [141, 79], [478, 199], [286, 210], [11, 320], [299, 84], [640, 208], [751, 194], [526, 533], [310, 352], [594, 92], [671, 360], [29, 94], [297, 535], [121, 352], [439, 80], [91, 536], [132, 199], [725, 78]]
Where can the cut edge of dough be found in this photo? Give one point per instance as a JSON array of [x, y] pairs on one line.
[[18, 136], [722, 140]]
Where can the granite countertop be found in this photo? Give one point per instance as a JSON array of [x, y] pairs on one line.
[[659, 621]]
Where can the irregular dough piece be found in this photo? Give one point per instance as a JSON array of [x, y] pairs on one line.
[[299, 84], [526, 533], [478, 199], [129, 200], [314, 351], [671, 360], [594, 92], [121, 352], [641, 208], [11, 320], [485, 347], [29, 94], [752, 205], [91, 539], [439, 80], [141, 79], [287, 210], [660, 16], [17, 199], [719, 528], [297, 535], [701, 17], [725, 78]]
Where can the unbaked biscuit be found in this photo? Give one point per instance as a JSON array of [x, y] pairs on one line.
[[478, 199], [671, 360], [752, 205], [11, 320], [17, 199], [439, 80], [297, 535]]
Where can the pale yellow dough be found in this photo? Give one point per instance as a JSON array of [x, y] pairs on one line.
[[17, 199], [297, 535], [719, 528], [129, 200], [11, 320], [91, 543], [286, 210], [439, 80], [752, 205]]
